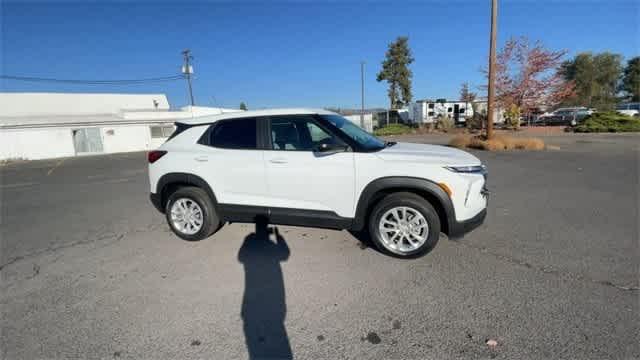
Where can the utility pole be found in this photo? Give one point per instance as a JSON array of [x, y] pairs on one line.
[[492, 68], [362, 94], [187, 70]]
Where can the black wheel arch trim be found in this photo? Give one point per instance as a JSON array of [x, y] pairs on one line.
[[370, 195], [180, 178]]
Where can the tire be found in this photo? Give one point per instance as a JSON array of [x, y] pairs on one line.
[[408, 246], [195, 198]]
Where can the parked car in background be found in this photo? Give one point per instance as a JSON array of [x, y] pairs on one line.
[[564, 116], [631, 109]]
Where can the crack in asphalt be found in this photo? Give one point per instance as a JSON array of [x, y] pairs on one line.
[[111, 236], [550, 270]]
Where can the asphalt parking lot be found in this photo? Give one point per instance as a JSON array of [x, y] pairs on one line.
[[90, 270]]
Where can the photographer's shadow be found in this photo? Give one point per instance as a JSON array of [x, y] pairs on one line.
[[263, 305]]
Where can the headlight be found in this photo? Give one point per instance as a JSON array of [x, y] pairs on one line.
[[476, 169]]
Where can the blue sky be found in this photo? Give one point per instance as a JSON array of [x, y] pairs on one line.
[[277, 54]]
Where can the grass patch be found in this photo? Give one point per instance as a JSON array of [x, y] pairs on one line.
[[393, 129], [497, 143], [608, 122]]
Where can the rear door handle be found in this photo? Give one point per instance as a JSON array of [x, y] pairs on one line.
[[201, 158], [278, 161]]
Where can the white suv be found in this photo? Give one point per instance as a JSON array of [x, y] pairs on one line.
[[314, 168]]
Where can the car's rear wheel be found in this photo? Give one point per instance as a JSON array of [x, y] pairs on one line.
[[191, 214], [404, 225]]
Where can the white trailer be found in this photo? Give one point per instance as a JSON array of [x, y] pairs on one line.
[[427, 111]]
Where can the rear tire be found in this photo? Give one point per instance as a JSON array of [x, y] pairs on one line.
[[191, 215], [416, 221]]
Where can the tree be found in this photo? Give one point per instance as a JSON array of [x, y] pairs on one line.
[[527, 76], [631, 79], [395, 70], [596, 78], [243, 106], [466, 95]]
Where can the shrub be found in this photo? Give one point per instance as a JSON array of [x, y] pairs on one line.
[[497, 143], [445, 123], [512, 117], [475, 122], [393, 129], [608, 122], [460, 141]]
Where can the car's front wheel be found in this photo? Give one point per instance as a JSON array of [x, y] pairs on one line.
[[404, 225], [191, 214]]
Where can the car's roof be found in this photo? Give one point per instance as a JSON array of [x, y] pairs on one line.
[[253, 113]]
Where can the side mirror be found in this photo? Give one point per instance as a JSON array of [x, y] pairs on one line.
[[331, 148]]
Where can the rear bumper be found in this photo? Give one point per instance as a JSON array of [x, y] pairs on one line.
[[156, 200], [458, 229]]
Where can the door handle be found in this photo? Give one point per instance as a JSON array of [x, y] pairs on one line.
[[278, 161], [201, 158]]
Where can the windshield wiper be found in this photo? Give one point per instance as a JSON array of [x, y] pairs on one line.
[[389, 143]]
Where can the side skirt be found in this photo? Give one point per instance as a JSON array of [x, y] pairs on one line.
[[284, 216]]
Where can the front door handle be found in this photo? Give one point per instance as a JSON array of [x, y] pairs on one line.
[[201, 158], [278, 161]]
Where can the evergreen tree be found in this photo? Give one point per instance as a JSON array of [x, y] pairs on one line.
[[395, 70], [631, 79]]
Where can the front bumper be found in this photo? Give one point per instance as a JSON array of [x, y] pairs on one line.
[[459, 228]]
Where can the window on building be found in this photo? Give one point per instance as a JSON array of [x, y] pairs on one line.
[[449, 109], [431, 106], [161, 131], [235, 134]]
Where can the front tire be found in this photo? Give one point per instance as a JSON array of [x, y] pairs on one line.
[[191, 214], [404, 225]]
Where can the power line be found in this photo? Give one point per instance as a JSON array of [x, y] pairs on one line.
[[94, 82]]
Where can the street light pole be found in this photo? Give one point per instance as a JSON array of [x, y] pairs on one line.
[[492, 68], [362, 94]]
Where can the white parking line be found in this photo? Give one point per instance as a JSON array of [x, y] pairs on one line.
[[11, 186], [110, 181], [55, 167], [134, 172]]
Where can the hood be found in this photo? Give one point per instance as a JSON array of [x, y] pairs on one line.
[[432, 154]]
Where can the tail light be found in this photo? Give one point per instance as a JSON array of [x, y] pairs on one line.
[[154, 155]]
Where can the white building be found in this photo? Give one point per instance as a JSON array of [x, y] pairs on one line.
[[368, 121], [50, 125]]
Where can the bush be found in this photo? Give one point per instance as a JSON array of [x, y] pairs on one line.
[[608, 122], [497, 143], [475, 122], [445, 123], [393, 129], [512, 117]]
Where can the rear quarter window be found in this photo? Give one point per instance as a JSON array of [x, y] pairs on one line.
[[233, 134]]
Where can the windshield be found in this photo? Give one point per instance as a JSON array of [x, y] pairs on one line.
[[363, 138]]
